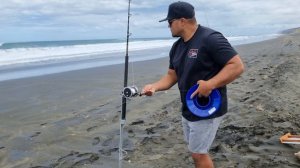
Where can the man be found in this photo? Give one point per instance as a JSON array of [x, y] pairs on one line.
[[200, 56]]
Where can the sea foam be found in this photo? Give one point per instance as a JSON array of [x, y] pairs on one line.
[[44, 54]]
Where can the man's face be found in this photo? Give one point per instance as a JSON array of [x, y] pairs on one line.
[[174, 25]]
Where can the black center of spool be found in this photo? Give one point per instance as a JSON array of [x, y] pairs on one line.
[[203, 101]]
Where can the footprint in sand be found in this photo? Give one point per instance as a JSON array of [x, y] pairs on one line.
[[76, 159], [43, 124], [244, 99], [96, 141], [137, 122], [35, 134], [252, 80], [91, 128]]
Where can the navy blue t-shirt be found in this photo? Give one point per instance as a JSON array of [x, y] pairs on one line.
[[200, 58]]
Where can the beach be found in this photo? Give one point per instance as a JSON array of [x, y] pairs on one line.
[[71, 119]]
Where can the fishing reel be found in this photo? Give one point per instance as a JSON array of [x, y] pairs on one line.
[[130, 91]]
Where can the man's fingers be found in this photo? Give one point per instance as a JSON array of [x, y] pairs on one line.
[[192, 96], [148, 92], [196, 91]]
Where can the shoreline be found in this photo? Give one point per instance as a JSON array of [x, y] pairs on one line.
[[27, 70], [60, 66]]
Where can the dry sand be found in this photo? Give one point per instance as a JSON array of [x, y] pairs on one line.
[[71, 119]]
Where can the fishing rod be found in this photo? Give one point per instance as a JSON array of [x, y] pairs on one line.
[[127, 92]]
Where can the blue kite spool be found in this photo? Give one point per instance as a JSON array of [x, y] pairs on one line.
[[201, 108]]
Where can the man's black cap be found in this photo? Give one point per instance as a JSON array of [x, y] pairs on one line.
[[179, 10]]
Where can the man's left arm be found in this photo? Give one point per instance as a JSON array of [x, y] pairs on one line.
[[232, 70]]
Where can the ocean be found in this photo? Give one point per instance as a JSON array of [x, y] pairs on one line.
[[28, 59]]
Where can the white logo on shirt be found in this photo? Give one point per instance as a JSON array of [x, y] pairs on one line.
[[193, 53]]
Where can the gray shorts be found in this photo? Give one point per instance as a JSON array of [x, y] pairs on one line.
[[200, 134]]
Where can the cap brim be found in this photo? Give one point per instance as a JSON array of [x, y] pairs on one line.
[[163, 20]]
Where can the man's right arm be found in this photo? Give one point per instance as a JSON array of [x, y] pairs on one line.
[[164, 83]]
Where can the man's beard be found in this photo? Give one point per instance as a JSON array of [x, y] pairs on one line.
[[175, 35]]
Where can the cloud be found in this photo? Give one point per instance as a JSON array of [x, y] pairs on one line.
[[109, 18], [252, 13]]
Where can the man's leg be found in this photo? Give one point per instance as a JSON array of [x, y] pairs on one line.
[[202, 160], [200, 135]]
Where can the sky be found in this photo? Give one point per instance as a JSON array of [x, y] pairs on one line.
[[51, 20]]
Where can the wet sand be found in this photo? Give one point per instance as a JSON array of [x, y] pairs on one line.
[[71, 119]]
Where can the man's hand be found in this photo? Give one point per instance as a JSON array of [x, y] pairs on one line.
[[204, 89], [148, 90], [232, 70], [164, 83]]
